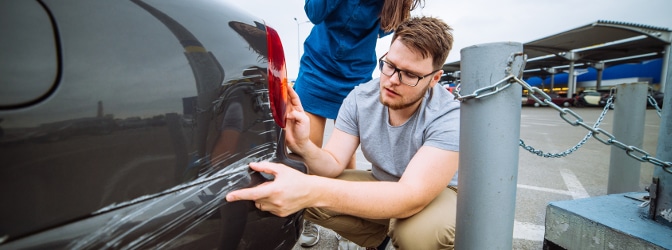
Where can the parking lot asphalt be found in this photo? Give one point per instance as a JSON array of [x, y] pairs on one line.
[[581, 174]]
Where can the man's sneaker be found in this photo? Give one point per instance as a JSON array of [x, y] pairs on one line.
[[310, 235], [386, 245], [345, 244]]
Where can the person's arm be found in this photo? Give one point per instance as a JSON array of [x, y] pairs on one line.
[[318, 10], [328, 162], [332, 159], [428, 174]]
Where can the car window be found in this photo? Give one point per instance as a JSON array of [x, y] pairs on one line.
[[28, 53]]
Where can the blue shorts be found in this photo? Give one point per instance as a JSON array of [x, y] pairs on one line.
[[319, 106]]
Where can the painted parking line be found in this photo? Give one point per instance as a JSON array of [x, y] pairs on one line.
[[540, 124], [547, 190], [534, 232], [573, 184], [575, 189], [528, 231]]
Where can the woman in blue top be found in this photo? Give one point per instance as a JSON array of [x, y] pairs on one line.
[[339, 54]]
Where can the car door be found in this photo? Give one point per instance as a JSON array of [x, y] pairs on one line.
[[137, 119]]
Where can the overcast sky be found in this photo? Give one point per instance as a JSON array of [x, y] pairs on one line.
[[478, 21]]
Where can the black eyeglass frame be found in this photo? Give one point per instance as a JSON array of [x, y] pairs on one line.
[[398, 71]]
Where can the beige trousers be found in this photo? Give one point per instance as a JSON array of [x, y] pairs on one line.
[[432, 228]]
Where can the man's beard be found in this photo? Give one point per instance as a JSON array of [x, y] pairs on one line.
[[403, 104]]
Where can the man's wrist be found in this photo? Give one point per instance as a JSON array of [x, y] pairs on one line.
[[302, 148]]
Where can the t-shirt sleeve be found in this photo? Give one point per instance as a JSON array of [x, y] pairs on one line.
[[347, 120], [444, 131]]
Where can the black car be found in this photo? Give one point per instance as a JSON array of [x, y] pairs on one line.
[[124, 124]]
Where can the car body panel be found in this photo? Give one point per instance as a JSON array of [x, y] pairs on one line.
[[590, 98], [153, 120], [557, 99]]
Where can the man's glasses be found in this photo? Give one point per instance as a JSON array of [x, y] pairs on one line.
[[408, 78]]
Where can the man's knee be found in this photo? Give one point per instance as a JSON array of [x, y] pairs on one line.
[[426, 236]]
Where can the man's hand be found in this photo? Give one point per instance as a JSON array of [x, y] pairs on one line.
[[297, 129], [283, 196]]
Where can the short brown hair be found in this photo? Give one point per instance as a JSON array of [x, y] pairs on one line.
[[428, 35]]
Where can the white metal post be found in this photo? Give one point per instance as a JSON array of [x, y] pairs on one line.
[[662, 207], [629, 112], [489, 137]]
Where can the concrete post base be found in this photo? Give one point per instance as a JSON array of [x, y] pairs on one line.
[[605, 222]]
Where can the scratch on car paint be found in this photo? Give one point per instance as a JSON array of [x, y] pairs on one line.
[[112, 234]]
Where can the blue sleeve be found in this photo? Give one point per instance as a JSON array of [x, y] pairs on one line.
[[318, 10]]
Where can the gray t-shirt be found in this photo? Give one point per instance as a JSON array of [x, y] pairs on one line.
[[390, 148]]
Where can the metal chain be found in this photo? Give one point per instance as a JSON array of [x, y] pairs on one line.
[[654, 103], [594, 131], [572, 149], [497, 87]]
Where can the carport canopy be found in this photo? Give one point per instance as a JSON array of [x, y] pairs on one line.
[[598, 44]]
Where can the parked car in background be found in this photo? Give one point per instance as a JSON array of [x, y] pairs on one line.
[[591, 98], [653, 97], [125, 124], [556, 98]]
